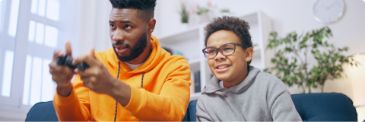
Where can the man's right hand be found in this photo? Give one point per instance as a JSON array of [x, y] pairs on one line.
[[62, 75]]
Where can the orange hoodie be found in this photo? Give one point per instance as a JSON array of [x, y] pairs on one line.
[[164, 96]]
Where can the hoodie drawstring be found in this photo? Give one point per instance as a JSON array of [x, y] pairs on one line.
[[116, 101]]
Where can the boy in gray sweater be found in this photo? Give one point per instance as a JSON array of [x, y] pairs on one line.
[[239, 92]]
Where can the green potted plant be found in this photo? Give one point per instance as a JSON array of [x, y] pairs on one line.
[[202, 10], [184, 14], [307, 60]]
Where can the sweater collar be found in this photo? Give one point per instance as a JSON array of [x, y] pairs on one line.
[[213, 87]]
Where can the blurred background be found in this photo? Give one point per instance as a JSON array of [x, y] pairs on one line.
[[30, 30]]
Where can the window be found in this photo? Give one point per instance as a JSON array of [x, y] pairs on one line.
[[30, 31], [9, 16], [2, 7]]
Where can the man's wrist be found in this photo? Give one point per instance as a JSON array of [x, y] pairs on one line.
[[64, 90], [121, 92]]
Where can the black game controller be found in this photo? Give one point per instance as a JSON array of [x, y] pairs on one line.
[[67, 61]]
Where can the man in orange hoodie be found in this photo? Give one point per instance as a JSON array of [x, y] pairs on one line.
[[134, 80]]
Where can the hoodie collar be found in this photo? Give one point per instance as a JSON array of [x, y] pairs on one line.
[[213, 85]]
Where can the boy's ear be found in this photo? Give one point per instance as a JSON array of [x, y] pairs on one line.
[[248, 54]]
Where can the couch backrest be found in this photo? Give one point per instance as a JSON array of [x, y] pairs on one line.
[[311, 107], [190, 113]]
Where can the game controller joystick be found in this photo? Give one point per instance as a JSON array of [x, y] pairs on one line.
[[67, 61]]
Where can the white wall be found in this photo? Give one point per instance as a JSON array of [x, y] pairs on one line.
[[286, 15], [94, 30]]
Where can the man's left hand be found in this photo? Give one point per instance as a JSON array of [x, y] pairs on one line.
[[96, 76], [98, 79]]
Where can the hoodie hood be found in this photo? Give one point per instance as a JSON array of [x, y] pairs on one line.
[[213, 85]]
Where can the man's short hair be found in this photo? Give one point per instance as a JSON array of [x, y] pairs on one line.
[[147, 6]]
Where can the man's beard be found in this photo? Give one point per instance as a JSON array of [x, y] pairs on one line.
[[136, 51]]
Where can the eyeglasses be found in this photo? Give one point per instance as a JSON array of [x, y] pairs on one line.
[[225, 49]]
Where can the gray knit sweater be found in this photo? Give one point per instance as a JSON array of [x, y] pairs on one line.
[[260, 97]]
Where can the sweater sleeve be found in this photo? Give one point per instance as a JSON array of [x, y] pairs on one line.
[[171, 103], [76, 106]]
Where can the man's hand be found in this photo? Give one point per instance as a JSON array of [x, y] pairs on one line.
[[62, 75], [98, 79]]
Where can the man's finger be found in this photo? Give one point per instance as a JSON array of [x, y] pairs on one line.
[[92, 53], [68, 48], [89, 79], [79, 59], [53, 66], [91, 59], [88, 85], [87, 73], [56, 55]]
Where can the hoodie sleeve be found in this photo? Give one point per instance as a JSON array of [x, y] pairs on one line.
[[172, 101], [76, 106], [283, 109], [282, 106]]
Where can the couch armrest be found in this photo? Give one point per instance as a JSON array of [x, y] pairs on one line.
[[325, 107], [42, 111]]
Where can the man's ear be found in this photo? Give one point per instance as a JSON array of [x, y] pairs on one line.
[[248, 54], [151, 25]]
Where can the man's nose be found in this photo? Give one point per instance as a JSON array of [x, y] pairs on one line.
[[118, 35]]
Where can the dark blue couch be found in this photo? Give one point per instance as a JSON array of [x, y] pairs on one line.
[[311, 107]]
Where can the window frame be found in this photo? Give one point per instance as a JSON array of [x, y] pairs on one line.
[[12, 107]]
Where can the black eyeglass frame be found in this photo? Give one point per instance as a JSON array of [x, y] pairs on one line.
[[219, 49]]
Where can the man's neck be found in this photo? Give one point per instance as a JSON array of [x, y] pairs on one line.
[[133, 66]]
